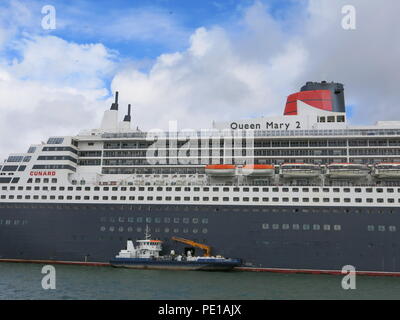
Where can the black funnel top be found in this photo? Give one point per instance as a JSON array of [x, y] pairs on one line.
[[114, 106], [336, 89], [128, 116]]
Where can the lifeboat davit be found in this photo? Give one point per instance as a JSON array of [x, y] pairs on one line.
[[220, 169], [347, 170], [389, 170], [300, 170], [258, 169]]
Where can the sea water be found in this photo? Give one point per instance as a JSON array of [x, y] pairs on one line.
[[24, 281]]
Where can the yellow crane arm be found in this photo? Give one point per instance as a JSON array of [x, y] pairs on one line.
[[207, 249]]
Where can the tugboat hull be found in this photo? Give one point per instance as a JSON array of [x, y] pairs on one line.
[[205, 265]]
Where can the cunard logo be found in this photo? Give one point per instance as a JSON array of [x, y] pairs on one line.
[[42, 173]]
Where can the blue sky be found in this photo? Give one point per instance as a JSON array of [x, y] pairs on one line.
[[193, 61], [87, 21]]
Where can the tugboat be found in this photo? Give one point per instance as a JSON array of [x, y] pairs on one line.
[[146, 255]]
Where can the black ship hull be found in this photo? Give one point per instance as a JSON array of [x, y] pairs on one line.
[[264, 237]]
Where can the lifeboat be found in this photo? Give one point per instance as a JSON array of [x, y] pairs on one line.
[[300, 170], [258, 170], [387, 170], [220, 169], [347, 170]]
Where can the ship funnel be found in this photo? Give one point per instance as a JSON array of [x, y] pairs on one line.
[[110, 118], [128, 116], [114, 106], [328, 96], [336, 89]]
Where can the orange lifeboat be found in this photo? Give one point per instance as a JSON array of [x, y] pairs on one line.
[[258, 169], [220, 169]]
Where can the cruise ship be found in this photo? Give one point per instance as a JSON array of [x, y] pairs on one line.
[[301, 192]]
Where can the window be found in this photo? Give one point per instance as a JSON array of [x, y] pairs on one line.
[[55, 141]]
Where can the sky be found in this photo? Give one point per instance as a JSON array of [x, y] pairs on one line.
[[191, 61]]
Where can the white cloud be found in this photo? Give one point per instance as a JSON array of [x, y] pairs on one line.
[[54, 61], [366, 60], [228, 74], [57, 88], [217, 77]]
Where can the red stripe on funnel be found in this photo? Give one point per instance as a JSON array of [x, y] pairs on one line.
[[320, 99]]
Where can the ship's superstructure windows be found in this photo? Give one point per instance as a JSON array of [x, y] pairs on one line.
[[54, 140], [54, 167], [89, 153], [70, 149], [10, 168], [32, 150], [57, 158], [15, 158], [340, 118]]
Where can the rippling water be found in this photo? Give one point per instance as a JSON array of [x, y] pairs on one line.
[[23, 281]]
